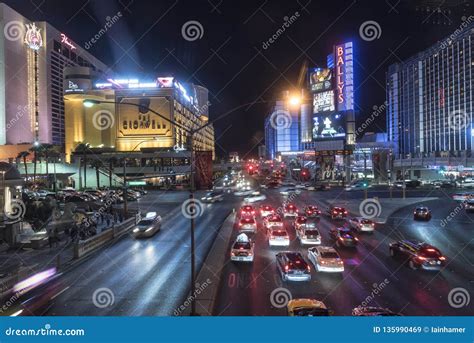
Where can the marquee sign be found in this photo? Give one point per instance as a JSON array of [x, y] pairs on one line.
[[344, 77], [65, 40], [33, 37]]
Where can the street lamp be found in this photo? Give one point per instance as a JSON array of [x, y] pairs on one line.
[[294, 100], [91, 102]]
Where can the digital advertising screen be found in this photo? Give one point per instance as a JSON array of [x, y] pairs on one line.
[[323, 102], [320, 79], [328, 126]]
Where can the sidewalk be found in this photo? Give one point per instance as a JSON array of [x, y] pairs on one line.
[[384, 207]]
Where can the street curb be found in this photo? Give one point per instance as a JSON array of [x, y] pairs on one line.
[[211, 271]]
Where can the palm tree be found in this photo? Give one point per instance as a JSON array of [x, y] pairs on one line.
[[46, 150], [82, 148], [97, 164], [35, 149], [23, 155]]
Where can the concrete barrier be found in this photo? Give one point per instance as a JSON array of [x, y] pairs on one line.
[[86, 246]]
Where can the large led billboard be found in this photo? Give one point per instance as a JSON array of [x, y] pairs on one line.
[[320, 79], [328, 126], [344, 73], [323, 102]]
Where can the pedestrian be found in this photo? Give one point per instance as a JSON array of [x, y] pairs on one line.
[[50, 237], [108, 220]]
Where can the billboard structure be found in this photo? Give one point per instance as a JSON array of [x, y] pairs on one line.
[[323, 102], [203, 161], [320, 79], [329, 126], [344, 65]]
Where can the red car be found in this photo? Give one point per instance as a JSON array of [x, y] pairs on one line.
[[312, 211], [290, 210], [247, 210]]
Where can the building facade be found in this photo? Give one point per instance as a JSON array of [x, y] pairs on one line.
[[430, 110], [130, 116], [33, 56]]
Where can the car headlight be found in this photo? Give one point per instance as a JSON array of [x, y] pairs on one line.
[[136, 230], [149, 229]]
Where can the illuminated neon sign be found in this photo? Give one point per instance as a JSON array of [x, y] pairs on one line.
[[33, 37], [344, 77], [65, 40]]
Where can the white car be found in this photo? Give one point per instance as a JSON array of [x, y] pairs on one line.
[[243, 249], [463, 196], [300, 186], [308, 234], [288, 191], [148, 226], [362, 224], [273, 221], [211, 197], [255, 197], [244, 192], [325, 259], [278, 237]]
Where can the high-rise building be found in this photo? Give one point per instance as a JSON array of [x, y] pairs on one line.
[[33, 56], [430, 96]]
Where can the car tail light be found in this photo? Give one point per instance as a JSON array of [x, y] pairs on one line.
[[287, 268], [334, 212], [308, 268], [421, 258], [341, 239], [345, 212], [442, 258], [232, 253], [357, 239]]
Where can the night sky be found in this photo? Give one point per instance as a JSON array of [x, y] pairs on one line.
[[229, 59]]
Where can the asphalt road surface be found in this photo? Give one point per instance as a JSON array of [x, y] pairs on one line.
[[371, 276]]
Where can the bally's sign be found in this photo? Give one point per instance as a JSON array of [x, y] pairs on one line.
[[344, 77]]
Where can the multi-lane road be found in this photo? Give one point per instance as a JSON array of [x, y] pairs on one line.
[[371, 276], [152, 276]]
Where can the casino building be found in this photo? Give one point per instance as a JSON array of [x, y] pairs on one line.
[[430, 108], [132, 118], [33, 56]]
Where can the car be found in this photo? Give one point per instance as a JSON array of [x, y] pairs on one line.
[[325, 259], [299, 221], [418, 255], [211, 197], [462, 196], [369, 311], [243, 249], [290, 210], [77, 198], [469, 205], [321, 186], [273, 221], [358, 185], [290, 190], [336, 212], [465, 183], [255, 197], [246, 192], [343, 237], [422, 213], [292, 266], [247, 224], [43, 194], [399, 184], [278, 237], [247, 210], [148, 226], [96, 193], [266, 210], [307, 308], [300, 186], [308, 234], [362, 224], [311, 211]]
